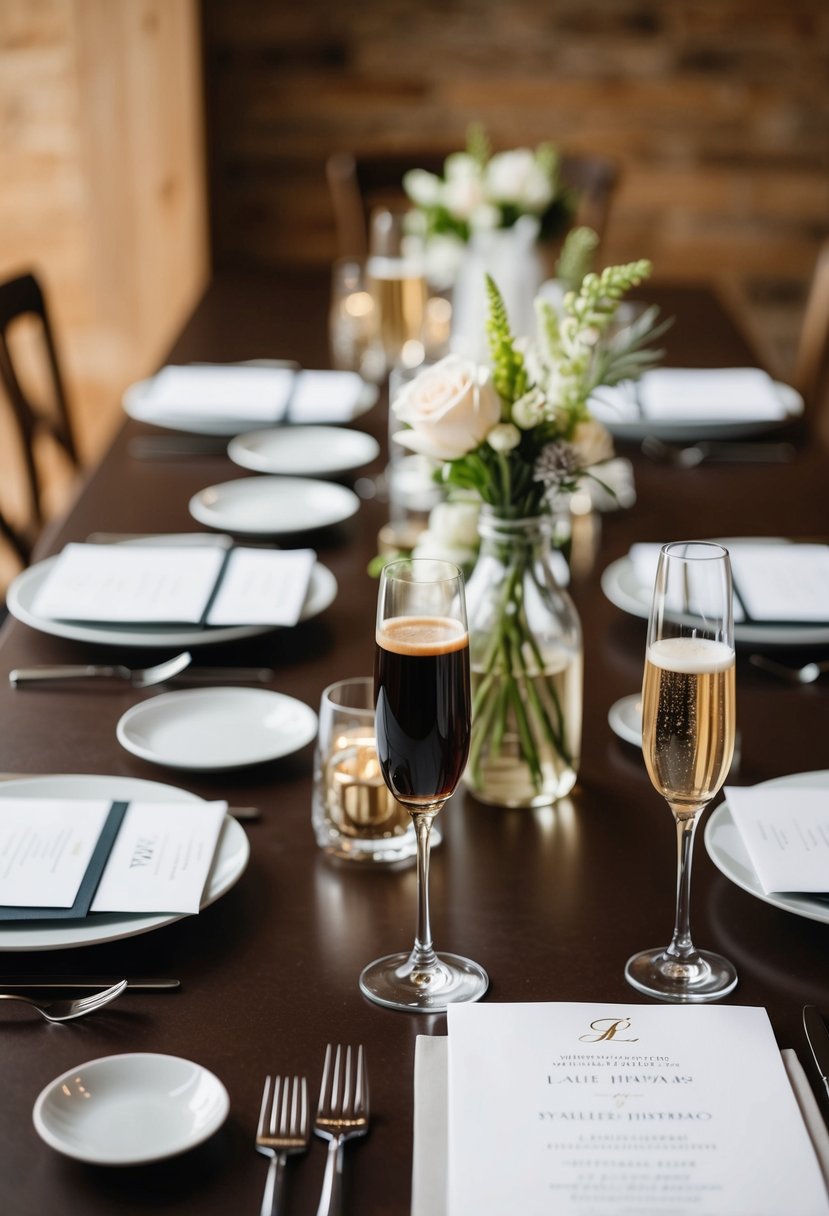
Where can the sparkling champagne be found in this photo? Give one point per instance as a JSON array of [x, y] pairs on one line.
[[688, 719], [399, 294]]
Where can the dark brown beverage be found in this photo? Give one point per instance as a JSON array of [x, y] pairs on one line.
[[421, 690]]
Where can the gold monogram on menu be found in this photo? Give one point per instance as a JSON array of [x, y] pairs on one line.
[[607, 1028]]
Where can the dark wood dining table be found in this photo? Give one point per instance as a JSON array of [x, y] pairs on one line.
[[552, 902]]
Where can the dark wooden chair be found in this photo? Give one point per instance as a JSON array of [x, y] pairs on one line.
[[33, 419], [359, 183], [811, 368]]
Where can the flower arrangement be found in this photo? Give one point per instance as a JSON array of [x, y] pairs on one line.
[[481, 191], [514, 435]]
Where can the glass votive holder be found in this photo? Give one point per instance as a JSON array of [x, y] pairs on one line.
[[351, 320], [354, 815]]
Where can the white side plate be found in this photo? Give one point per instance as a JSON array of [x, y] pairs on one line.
[[273, 506], [728, 853], [625, 718], [22, 593], [228, 865], [211, 729], [130, 1109], [305, 451]]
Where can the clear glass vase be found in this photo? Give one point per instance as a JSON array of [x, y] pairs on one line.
[[526, 660]]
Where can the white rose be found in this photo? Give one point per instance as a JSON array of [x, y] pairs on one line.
[[593, 443], [504, 437], [450, 408], [462, 196], [517, 177], [485, 218], [422, 188]]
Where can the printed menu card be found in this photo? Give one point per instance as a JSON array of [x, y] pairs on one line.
[[624, 1110], [182, 584], [63, 858], [786, 835]]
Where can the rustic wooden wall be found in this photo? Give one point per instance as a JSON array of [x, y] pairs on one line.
[[716, 109], [102, 186]]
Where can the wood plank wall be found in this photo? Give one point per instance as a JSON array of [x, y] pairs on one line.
[[716, 109]]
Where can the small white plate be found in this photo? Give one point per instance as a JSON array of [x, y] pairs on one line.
[[130, 1109], [728, 853], [229, 864], [23, 591], [273, 506], [305, 451], [622, 587], [210, 729], [625, 718]]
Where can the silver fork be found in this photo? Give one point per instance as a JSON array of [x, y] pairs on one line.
[[139, 677], [343, 1113], [807, 674], [283, 1129], [67, 1011]]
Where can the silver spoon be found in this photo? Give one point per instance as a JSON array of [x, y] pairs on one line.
[[807, 674], [139, 677], [66, 1011]]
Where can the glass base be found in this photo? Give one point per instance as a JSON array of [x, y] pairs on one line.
[[394, 982], [702, 977]]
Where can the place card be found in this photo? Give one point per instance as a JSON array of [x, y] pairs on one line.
[[187, 584], [786, 835], [591, 1107], [46, 845], [218, 391]]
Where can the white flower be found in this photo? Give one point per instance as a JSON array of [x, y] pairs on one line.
[[444, 254], [456, 521], [424, 189], [504, 437], [593, 443], [433, 545], [530, 409], [462, 196], [450, 408], [460, 166], [517, 177], [485, 218]]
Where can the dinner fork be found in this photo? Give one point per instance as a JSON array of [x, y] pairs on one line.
[[283, 1129], [139, 677], [343, 1113], [67, 1011]]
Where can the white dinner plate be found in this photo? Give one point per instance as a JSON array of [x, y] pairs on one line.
[[688, 430], [228, 866], [728, 853], [209, 729], [21, 595], [130, 1109], [305, 451], [625, 718], [136, 398], [273, 506], [624, 589]]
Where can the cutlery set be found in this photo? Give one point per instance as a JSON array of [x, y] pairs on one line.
[[284, 1124]]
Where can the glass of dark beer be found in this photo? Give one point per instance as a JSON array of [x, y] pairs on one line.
[[422, 722]]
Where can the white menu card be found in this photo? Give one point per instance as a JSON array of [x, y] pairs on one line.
[[625, 1109], [786, 835], [185, 584]]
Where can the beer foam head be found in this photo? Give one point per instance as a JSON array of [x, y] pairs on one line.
[[691, 656], [421, 635]]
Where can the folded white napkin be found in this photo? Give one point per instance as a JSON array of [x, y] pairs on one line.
[[251, 395], [431, 1128], [670, 394]]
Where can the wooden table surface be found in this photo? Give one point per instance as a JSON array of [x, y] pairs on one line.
[[551, 902]]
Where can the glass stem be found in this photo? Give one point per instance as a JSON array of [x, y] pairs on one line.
[[423, 957], [686, 821]]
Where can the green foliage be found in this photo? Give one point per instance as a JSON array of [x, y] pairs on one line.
[[576, 258], [509, 375]]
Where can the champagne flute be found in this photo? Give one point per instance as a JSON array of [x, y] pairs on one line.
[[395, 276], [688, 728], [422, 724]]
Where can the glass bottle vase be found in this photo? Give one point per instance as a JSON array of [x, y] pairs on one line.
[[526, 660]]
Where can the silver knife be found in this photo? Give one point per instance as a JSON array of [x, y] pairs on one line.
[[818, 1039], [56, 983]]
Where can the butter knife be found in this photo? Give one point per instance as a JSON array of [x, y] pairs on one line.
[[818, 1039], [58, 983]]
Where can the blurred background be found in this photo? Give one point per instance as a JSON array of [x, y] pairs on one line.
[[144, 142]]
